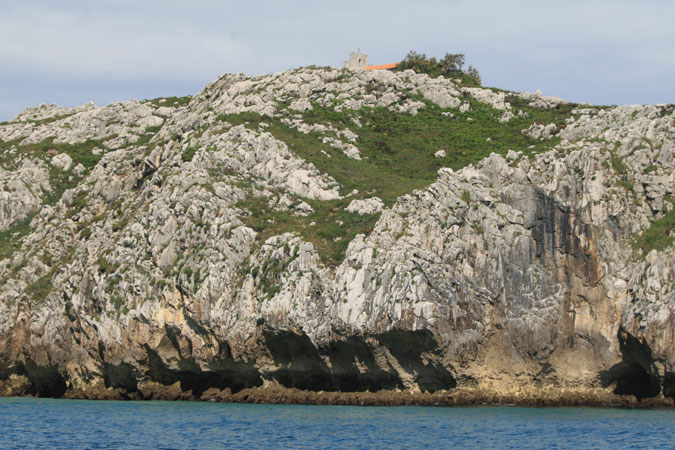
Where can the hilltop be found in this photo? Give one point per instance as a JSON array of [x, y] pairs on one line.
[[339, 231]]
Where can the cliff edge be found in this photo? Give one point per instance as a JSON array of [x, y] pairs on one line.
[[336, 232]]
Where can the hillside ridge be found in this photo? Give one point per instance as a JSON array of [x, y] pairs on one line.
[[339, 231]]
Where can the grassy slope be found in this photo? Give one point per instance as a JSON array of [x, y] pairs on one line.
[[397, 157], [659, 235], [59, 181]]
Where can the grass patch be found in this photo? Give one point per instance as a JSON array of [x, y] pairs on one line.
[[39, 289], [12, 238], [120, 224], [80, 153], [618, 165], [147, 135], [658, 236], [188, 154], [105, 267], [50, 119], [117, 301], [466, 197], [332, 230], [171, 102], [78, 204], [397, 152], [398, 149], [557, 115], [241, 118]]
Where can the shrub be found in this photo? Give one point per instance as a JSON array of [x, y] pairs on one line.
[[189, 153], [105, 267], [659, 235], [451, 65], [618, 165]]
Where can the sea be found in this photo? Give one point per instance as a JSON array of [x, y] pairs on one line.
[[30, 423]]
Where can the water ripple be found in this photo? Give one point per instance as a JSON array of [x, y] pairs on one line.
[[55, 424]]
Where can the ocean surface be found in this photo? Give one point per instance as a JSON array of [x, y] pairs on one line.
[[81, 424]]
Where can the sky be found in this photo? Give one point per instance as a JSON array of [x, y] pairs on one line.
[[72, 52]]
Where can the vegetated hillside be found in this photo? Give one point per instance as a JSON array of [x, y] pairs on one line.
[[336, 230]]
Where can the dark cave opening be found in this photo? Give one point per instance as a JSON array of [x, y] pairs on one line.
[[354, 368], [46, 381], [122, 376], [633, 379], [301, 365], [635, 374], [407, 347], [222, 374]]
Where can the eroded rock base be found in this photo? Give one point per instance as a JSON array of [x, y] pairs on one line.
[[276, 394]]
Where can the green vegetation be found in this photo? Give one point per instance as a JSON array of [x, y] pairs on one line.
[[618, 165], [659, 235], [189, 153], [50, 119], [405, 144], [330, 228], [120, 224], [147, 135], [557, 115], [398, 149], [268, 276], [39, 289], [620, 168], [397, 152], [105, 267], [172, 102], [78, 203], [241, 118], [466, 197], [451, 65], [117, 300], [80, 153], [11, 238], [59, 181], [627, 185]]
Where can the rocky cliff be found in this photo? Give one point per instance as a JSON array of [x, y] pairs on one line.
[[339, 231]]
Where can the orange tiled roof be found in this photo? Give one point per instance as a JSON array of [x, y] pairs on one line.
[[381, 66]]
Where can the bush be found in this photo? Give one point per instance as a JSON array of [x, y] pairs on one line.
[[466, 197], [659, 235], [451, 65], [473, 75], [188, 154]]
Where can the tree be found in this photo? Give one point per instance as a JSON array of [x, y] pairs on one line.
[[452, 64], [415, 61], [473, 74]]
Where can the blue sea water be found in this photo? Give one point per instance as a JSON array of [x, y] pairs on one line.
[[81, 424]]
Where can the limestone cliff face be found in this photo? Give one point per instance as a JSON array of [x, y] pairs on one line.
[[172, 247]]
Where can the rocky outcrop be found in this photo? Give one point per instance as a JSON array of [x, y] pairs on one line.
[[22, 188], [366, 206], [179, 249]]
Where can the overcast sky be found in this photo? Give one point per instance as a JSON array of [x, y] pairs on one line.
[[71, 52]]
